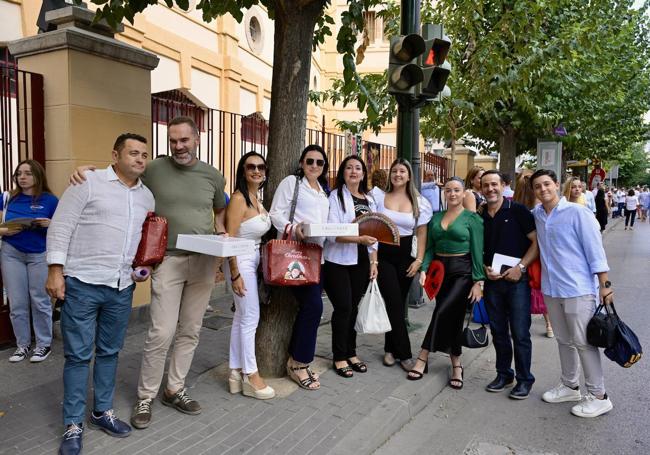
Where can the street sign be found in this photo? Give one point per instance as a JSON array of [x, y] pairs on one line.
[[560, 130], [549, 156]]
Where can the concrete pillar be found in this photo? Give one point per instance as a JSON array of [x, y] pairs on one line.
[[95, 88]]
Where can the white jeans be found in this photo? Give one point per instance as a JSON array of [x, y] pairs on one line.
[[569, 318], [247, 315]]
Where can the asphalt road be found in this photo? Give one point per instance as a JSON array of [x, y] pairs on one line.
[[473, 421]]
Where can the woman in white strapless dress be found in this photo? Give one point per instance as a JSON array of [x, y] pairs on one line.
[[246, 218]]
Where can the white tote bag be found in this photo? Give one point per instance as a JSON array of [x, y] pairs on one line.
[[372, 316]]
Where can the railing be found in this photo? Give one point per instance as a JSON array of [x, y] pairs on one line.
[[226, 136], [21, 120]]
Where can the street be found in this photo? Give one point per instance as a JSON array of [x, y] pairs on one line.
[[474, 421]]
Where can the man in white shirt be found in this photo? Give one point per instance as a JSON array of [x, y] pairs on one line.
[[91, 243]]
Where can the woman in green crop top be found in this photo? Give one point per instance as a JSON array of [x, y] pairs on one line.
[[455, 237]]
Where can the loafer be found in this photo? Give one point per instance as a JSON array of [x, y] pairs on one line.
[[110, 424], [72, 442], [521, 391], [499, 384]]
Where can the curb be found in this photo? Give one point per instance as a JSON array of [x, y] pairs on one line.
[[396, 410]]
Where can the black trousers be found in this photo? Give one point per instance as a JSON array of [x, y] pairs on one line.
[[394, 286], [630, 214], [345, 286], [445, 330]]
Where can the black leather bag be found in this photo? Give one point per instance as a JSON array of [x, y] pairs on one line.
[[601, 330], [475, 338]]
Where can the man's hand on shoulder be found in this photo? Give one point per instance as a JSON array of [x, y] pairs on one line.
[[77, 177]]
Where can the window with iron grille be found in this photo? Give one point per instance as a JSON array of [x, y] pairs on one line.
[[173, 103]]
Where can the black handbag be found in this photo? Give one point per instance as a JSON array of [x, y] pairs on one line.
[[601, 330], [626, 350], [475, 338]]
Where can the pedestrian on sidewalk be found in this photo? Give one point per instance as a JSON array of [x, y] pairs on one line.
[[24, 265], [397, 264], [473, 197], [621, 193], [572, 191], [350, 263], [644, 201], [509, 229], [247, 219], [568, 234], [311, 206], [631, 206], [91, 244], [602, 209], [590, 197], [525, 195], [455, 237], [190, 194]]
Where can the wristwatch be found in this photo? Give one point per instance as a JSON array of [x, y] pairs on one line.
[[522, 267], [607, 285]]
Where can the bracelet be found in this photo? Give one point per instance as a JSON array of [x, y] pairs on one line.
[[417, 260], [221, 233], [232, 280], [374, 262]]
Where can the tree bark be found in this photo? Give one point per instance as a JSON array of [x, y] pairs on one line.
[[294, 29], [507, 150]]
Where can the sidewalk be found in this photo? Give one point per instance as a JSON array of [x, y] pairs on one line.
[[346, 416]]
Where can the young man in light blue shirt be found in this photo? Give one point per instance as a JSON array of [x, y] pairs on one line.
[[572, 255]]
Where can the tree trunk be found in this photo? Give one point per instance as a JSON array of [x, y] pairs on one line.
[[508, 150], [294, 29]]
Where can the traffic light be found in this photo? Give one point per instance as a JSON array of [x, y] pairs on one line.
[[404, 74], [435, 67]]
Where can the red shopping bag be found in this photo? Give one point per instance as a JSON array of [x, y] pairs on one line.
[[153, 243], [291, 263]]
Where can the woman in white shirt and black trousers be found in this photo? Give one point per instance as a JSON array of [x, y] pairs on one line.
[[312, 206], [411, 213], [350, 262]]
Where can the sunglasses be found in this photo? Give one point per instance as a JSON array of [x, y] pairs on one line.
[[319, 163], [260, 167]]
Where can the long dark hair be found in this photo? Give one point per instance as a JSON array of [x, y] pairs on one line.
[[40, 180], [322, 178], [240, 180], [411, 190], [340, 181]]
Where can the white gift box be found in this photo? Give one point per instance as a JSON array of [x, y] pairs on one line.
[[215, 245], [330, 229]]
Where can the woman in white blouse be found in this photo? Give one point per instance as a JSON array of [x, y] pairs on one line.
[[350, 262], [411, 213], [312, 206]]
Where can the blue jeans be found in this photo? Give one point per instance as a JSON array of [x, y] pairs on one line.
[[94, 318], [508, 306], [24, 276]]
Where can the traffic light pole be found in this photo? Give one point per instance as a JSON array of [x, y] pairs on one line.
[[408, 117]]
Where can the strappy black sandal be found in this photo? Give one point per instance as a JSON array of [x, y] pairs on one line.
[[415, 375], [303, 383], [359, 367], [344, 372], [451, 381]]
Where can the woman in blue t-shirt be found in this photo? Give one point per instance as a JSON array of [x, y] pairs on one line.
[[28, 210]]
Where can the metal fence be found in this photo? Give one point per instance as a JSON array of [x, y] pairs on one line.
[[226, 136], [21, 120]]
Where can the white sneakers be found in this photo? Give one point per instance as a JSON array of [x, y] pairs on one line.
[[561, 393], [589, 405]]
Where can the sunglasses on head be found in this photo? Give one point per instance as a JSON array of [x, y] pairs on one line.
[[310, 162], [260, 167]]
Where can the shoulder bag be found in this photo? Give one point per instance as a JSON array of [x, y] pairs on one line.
[[601, 329], [475, 338]]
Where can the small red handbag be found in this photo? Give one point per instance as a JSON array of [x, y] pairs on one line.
[[153, 243], [434, 277], [291, 263]]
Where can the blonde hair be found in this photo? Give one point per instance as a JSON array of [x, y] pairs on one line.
[[566, 191]]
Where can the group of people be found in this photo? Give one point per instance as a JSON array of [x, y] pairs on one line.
[[481, 217]]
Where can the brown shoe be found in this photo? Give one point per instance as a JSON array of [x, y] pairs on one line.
[[141, 416], [182, 402]]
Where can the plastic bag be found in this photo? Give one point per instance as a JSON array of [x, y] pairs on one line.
[[372, 316]]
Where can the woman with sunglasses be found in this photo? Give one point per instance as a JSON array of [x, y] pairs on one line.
[[397, 267], [246, 218], [311, 206], [24, 267], [350, 262]]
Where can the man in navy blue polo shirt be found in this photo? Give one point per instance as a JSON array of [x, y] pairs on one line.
[[509, 230]]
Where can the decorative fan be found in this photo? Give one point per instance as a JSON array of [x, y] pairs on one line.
[[379, 226], [433, 280]]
